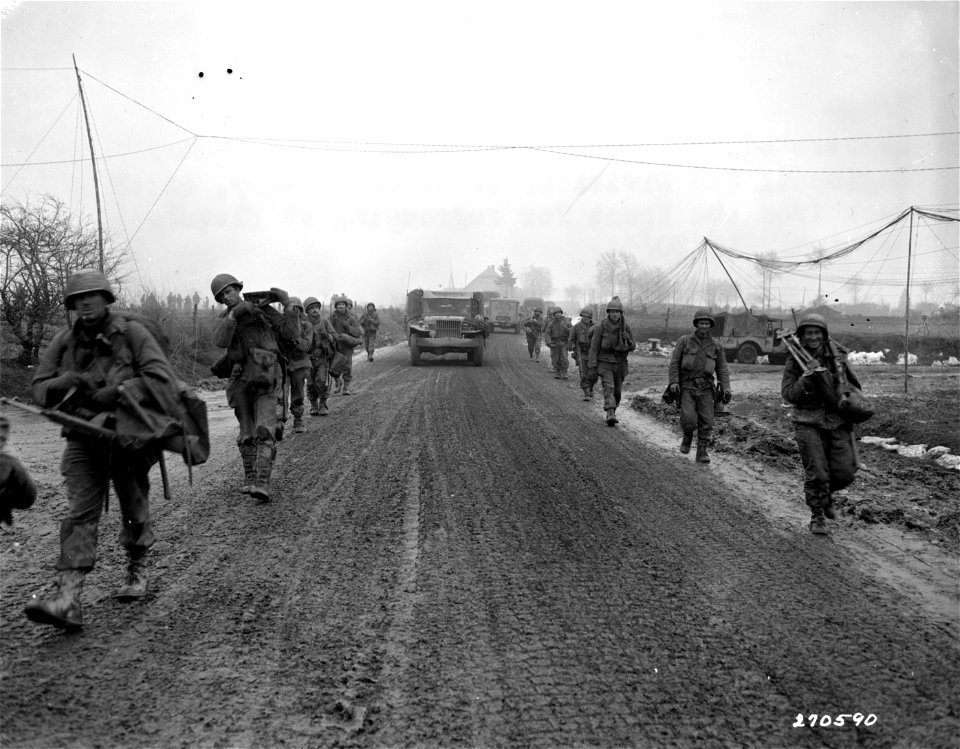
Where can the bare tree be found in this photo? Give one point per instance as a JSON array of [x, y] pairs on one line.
[[608, 268], [632, 273], [40, 245], [537, 281]]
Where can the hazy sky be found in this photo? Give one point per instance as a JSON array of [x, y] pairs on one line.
[[370, 147]]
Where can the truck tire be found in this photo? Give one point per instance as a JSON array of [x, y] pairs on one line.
[[748, 353], [414, 351], [478, 355]]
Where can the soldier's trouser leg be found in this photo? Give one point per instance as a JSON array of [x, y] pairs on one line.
[[536, 347], [317, 387], [248, 455], [298, 381], [696, 412], [368, 340], [555, 359], [813, 444], [563, 360], [530, 341], [348, 372]]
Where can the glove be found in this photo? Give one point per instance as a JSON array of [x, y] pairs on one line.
[[592, 373], [106, 398], [242, 309], [282, 296], [79, 380], [726, 396], [675, 388]]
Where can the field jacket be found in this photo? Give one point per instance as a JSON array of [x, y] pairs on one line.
[[116, 351], [557, 332], [695, 362], [261, 329], [347, 330], [370, 321], [610, 342], [323, 341], [533, 325], [813, 399], [580, 337]]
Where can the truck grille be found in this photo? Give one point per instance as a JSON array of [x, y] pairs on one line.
[[448, 328]]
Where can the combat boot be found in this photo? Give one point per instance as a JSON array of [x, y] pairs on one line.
[[338, 387], [324, 411], [586, 394], [63, 610], [702, 456], [612, 417], [260, 489], [829, 510], [346, 389], [298, 424], [248, 454], [314, 407], [686, 442], [818, 525], [135, 585]]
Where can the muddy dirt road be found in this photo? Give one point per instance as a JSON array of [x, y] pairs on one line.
[[462, 556]]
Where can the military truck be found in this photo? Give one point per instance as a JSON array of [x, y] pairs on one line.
[[746, 337], [529, 304], [503, 313], [444, 322]]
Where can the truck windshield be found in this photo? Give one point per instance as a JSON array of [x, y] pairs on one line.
[[450, 307]]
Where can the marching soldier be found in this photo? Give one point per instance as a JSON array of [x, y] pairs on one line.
[[347, 330], [579, 346], [611, 340], [824, 436], [533, 326], [297, 356], [696, 359], [82, 372], [557, 333], [322, 348], [370, 322], [250, 334]]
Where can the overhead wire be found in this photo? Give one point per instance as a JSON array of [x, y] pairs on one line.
[[40, 143]]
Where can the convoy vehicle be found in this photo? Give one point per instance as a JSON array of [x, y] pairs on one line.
[[443, 322], [529, 304], [503, 313], [746, 337]]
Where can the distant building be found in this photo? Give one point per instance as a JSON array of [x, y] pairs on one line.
[[488, 280]]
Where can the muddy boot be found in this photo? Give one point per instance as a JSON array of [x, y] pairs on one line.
[[818, 525], [298, 424], [829, 511], [686, 442], [314, 407], [63, 610], [338, 386], [586, 394], [260, 490], [248, 453], [346, 389], [702, 456], [324, 411], [612, 417], [135, 585]]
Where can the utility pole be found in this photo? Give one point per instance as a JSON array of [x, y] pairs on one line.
[[96, 181]]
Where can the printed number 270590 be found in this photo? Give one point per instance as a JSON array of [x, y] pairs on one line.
[[828, 721]]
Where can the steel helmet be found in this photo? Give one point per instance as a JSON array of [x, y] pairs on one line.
[[586, 312], [84, 281], [537, 309], [295, 302], [310, 301], [337, 298], [558, 309], [704, 314], [615, 304], [815, 320], [222, 281]]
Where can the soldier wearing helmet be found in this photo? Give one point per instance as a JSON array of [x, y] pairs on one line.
[[824, 436], [297, 356], [696, 360], [370, 322], [533, 326], [611, 341], [556, 332], [579, 346], [322, 349], [252, 334], [82, 372], [347, 332]]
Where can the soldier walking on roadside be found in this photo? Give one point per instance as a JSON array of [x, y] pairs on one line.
[[82, 372], [824, 436], [533, 326], [250, 334], [696, 359], [347, 331], [370, 323], [17, 490], [557, 334], [611, 340], [322, 347], [297, 355], [579, 346]]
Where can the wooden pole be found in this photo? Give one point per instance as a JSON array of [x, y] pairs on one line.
[[906, 311], [96, 181]]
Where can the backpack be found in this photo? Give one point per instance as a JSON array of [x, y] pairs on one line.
[[151, 413]]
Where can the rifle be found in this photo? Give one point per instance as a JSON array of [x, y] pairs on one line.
[[87, 427]]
